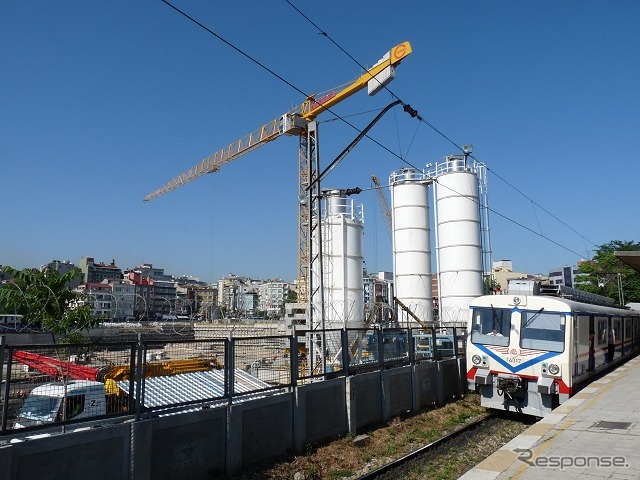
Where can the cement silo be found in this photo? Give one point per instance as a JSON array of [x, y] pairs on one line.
[[458, 238], [411, 242], [343, 261]]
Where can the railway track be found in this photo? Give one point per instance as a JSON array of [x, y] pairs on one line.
[[400, 467]]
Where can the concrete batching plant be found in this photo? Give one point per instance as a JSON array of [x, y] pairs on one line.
[[411, 241], [343, 262], [459, 251], [457, 186]]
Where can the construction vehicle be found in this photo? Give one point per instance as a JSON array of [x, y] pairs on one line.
[[59, 369], [300, 121], [71, 400], [82, 391]]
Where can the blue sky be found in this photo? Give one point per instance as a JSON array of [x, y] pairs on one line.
[[103, 102]]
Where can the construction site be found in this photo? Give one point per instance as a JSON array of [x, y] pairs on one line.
[[59, 399], [330, 358], [331, 226]]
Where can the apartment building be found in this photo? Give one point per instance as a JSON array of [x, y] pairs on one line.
[[94, 272], [273, 294]]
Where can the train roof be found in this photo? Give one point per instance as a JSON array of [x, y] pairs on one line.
[[549, 302]]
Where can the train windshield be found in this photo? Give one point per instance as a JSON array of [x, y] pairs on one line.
[[491, 326], [543, 330]]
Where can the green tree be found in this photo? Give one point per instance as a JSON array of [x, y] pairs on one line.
[[292, 297], [45, 301], [490, 285], [602, 273]]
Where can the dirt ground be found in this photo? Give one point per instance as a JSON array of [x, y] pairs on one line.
[[350, 457]]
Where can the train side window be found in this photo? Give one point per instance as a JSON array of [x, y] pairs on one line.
[[491, 326], [543, 330], [617, 328]]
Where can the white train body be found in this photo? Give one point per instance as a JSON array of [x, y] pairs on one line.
[[530, 353]]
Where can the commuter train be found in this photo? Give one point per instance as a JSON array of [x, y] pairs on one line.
[[529, 352]]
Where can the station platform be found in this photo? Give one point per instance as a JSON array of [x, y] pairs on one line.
[[595, 434]]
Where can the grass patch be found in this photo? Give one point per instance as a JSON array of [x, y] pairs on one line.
[[337, 474]]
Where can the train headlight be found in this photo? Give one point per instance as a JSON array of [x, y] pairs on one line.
[[476, 359], [554, 369]]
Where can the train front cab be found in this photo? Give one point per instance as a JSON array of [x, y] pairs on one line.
[[517, 353]]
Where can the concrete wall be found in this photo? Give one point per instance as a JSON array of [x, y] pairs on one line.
[[449, 371], [321, 412], [426, 385], [397, 391], [266, 428], [28, 338], [190, 445], [100, 454], [222, 440], [364, 400]]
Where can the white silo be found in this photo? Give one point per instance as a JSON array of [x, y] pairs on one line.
[[458, 238], [411, 242], [343, 261]]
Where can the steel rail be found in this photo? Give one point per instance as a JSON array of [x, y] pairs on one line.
[[384, 469]]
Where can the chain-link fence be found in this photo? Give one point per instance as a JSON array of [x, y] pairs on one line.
[[266, 359], [330, 353], [58, 385]]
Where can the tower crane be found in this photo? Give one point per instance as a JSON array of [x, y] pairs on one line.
[[299, 121]]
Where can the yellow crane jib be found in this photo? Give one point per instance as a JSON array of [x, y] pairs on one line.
[[293, 122], [269, 131], [375, 78]]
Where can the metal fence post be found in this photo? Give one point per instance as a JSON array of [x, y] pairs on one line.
[[139, 378], [229, 369], [380, 348], [434, 347], [455, 342], [7, 386], [346, 357], [3, 341], [293, 358], [131, 400], [412, 346]]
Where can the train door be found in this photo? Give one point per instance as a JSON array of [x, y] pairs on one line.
[[576, 350], [616, 327], [592, 344], [627, 329]]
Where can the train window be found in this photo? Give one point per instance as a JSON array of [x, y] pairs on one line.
[[491, 326], [617, 328], [543, 330]]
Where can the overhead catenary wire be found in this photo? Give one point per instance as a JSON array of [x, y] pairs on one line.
[[433, 127], [406, 107], [413, 112], [538, 205]]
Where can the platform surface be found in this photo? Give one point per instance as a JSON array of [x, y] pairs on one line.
[[593, 435]]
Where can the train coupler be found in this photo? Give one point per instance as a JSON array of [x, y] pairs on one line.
[[512, 388]]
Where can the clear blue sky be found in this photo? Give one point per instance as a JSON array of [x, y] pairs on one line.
[[103, 102]]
